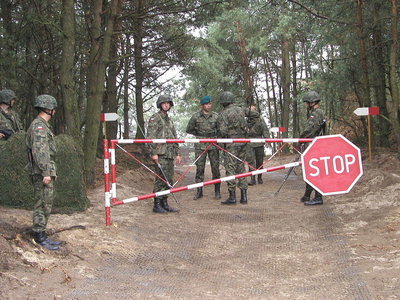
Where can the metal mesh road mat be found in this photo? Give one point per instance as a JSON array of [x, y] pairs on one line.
[[272, 248]]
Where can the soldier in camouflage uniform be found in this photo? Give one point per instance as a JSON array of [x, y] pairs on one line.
[[160, 126], [231, 123], [9, 120], [315, 126], [255, 151], [42, 150], [203, 124]]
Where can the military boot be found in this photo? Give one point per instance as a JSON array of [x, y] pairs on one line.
[[199, 193], [157, 206], [260, 180], [315, 201], [305, 199], [231, 199], [217, 190], [253, 180], [243, 196], [164, 204], [42, 239]]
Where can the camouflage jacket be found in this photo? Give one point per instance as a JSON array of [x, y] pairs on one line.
[[256, 127], [160, 126], [10, 121], [231, 122], [42, 147], [203, 126], [315, 124]]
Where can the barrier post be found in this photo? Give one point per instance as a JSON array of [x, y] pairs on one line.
[[107, 195]]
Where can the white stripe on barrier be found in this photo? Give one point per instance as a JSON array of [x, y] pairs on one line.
[[131, 200], [107, 198], [229, 178], [196, 185], [114, 190], [106, 166], [112, 156]]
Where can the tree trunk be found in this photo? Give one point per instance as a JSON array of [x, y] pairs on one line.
[[380, 75], [247, 78], [126, 87], [139, 76], [394, 78], [70, 105], [285, 79], [99, 52], [296, 127], [366, 99]]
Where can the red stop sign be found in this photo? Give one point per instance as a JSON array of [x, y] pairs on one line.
[[332, 164]]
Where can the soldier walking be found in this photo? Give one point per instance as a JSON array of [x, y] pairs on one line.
[[231, 123], [315, 126], [203, 124], [9, 120], [256, 129], [42, 149], [160, 126]]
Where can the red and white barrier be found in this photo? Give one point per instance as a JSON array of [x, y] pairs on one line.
[[205, 183], [110, 168]]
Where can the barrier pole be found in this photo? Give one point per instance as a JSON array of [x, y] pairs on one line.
[[107, 195], [205, 183]]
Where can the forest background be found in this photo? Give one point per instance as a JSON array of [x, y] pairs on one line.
[[118, 56]]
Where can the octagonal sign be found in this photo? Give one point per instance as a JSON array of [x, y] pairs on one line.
[[332, 164]]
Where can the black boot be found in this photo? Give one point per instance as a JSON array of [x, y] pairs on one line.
[[217, 190], [164, 204], [253, 180], [157, 206], [199, 193], [260, 181], [231, 199], [315, 201], [305, 199], [243, 196], [42, 239]]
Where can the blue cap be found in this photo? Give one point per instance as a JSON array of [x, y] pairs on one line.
[[205, 100]]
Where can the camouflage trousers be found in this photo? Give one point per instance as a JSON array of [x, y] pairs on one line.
[[44, 196], [213, 156], [255, 156], [167, 165], [234, 166]]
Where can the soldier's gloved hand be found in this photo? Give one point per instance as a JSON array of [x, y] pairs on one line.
[[178, 159]]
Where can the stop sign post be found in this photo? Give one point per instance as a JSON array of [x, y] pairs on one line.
[[332, 164]]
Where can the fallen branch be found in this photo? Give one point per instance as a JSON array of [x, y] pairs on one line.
[[53, 231]]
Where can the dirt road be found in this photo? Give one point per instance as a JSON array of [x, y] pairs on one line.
[[272, 248]]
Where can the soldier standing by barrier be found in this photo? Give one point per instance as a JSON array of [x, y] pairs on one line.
[[161, 127], [231, 123], [203, 124], [314, 127], [42, 150], [9, 120], [256, 129]]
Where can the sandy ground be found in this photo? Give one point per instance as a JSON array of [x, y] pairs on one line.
[[273, 248]]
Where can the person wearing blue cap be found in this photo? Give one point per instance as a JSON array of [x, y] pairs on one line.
[[203, 124]]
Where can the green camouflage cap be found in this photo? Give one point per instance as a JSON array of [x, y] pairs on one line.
[[164, 98], [226, 98], [45, 101], [311, 97], [6, 96]]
